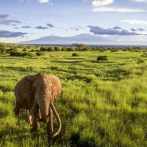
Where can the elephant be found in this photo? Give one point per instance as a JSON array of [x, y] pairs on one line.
[[38, 92]]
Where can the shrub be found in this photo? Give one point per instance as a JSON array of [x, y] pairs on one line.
[[16, 54], [28, 54], [32, 50], [140, 60], [20, 54], [43, 49], [144, 55], [51, 49], [71, 49], [57, 48], [39, 54], [75, 54], [24, 49], [2, 48], [63, 49], [102, 58]]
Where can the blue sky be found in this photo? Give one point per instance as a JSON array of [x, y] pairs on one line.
[[121, 21]]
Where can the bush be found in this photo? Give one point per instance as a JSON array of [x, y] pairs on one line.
[[2, 48], [57, 49], [24, 49], [43, 49], [39, 54], [140, 60], [144, 55], [51, 49], [32, 50], [75, 54], [63, 49], [102, 58], [20, 54], [16, 54], [71, 49]]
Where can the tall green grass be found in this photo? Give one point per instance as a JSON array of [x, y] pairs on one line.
[[102, 104]]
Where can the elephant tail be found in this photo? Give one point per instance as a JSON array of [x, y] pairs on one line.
[[58, 119]]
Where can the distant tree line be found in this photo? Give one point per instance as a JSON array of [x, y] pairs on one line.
[[24, 50]]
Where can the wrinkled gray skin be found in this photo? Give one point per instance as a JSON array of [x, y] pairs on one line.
[[36, 92]]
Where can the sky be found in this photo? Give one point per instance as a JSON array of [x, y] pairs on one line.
[[121, 21]]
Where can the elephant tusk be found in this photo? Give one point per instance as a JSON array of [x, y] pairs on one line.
[[58, 119], [31, 113], [30, 119]]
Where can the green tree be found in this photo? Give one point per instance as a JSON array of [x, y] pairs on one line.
[[2, 48]]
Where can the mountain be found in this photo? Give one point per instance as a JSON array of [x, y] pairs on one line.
[[81, 38]]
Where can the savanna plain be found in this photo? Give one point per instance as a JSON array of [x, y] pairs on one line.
[[103, 103]]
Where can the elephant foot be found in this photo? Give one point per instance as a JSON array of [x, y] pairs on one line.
[[35, 130], [49, 137], [17, 111]]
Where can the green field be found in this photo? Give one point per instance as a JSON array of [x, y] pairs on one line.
[[103, 104]]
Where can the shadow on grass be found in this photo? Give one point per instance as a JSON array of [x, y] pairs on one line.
[[118, 74], [101, 62], [72, 58], [79, 61], [22, 69]]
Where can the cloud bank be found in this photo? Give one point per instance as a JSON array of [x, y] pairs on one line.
[[138, 22], [9, 22], [4, 16], [145, 1], [110, 31], [41, 27], [117, 28], [140, 29], [26, 27], [117, 9], [50, 25], [8, 34]]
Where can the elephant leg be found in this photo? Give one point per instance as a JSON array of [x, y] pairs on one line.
[[17, 108], [40, 119], [35, 123], [50, 125]]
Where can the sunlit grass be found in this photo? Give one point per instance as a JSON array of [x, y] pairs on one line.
[[102, 104]]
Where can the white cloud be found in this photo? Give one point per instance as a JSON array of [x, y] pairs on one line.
[[2, 39], [138, 22], [140, 1], [116, 9], [43, 1], [100, 2]]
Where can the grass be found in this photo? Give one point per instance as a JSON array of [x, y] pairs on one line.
[[102, 104]]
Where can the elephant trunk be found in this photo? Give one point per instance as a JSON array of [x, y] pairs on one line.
[[47, 117], [44, 104]]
